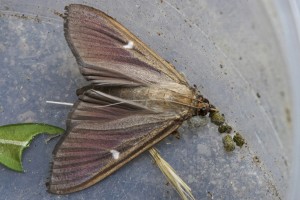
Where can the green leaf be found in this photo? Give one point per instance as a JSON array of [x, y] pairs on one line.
[[14, 138]]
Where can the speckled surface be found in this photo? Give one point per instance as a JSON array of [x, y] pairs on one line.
[[229, 51]]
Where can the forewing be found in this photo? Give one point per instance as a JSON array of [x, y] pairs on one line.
[[104, 133], [109, 54]]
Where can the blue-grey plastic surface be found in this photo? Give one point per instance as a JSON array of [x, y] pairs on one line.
[[230, 50]]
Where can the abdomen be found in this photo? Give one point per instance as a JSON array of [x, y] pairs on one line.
[[168, 97]]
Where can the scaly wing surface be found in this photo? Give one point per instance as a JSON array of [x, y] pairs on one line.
[[104, 133], [109, 54]]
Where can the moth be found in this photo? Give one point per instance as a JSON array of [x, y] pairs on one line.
[[134, 100]]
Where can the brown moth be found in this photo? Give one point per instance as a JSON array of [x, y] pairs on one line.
[[134, 100]]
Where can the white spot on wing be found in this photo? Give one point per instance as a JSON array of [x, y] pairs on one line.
[[115, 154], [129, 45]]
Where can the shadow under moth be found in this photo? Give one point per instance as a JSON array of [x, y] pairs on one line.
[[134, 100]]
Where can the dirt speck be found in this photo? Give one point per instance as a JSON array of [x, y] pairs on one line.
[[256, 160], [258, 95]]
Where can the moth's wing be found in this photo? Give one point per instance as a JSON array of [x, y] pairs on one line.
[[109, 54], [104, 132]]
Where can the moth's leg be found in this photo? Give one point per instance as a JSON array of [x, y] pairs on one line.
[[176, 134]]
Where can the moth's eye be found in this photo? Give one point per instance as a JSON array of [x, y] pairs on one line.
[[202, 111], [205, 101]]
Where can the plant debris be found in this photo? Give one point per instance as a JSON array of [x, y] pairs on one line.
[[238, 139], [217, 118], [225, 128], [228, 143]]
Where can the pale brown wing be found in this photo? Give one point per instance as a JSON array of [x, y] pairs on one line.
[[109, 54], [104, 133]]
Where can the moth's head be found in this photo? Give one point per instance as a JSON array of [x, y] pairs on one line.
[[204, 107]]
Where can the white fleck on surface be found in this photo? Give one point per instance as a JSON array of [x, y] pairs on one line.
[[115, 154], [129, 45]]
